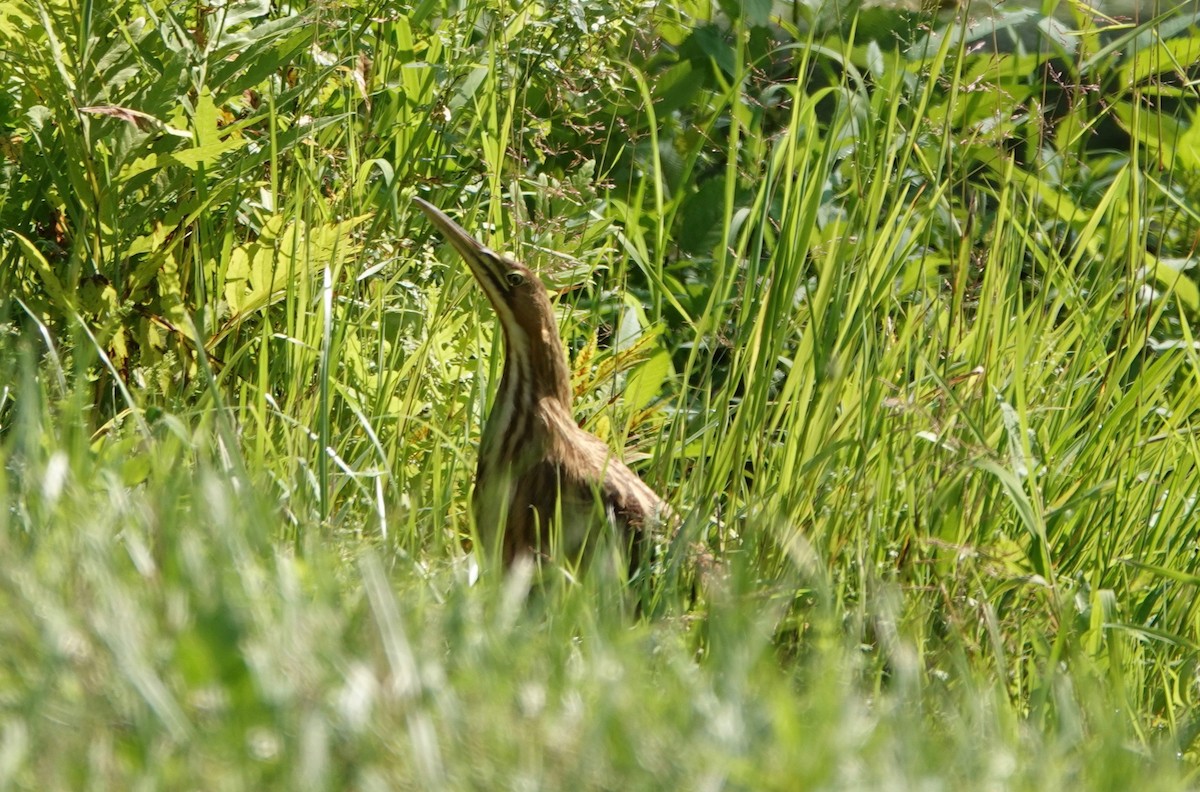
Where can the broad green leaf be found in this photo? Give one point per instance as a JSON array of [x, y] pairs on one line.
[[243, 10], [1171, 276], [1173, 56], [190, 158], [646, 381], [677, 87], [205, 123], [1171, 140]]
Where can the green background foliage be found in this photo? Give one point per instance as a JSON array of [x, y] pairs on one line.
[[896, 310]]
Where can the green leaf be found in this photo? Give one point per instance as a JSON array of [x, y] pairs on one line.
[[645, 381], [244, 10], [752, 13], [190, 158], [50, 282], [1169, 274], [1013, 489], [678, 86], [706, 42], [1173, 141]]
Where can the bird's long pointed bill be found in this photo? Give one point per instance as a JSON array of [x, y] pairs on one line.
[[466, 245], [484, 264]]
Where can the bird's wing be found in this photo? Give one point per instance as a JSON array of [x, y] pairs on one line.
[[565, 512], [632, 505]]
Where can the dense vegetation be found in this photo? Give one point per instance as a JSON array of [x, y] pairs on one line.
[[899, 315]]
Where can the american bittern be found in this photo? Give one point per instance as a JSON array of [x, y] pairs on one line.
[[537, 468]]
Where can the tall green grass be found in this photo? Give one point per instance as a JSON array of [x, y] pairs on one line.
[[904, 332]]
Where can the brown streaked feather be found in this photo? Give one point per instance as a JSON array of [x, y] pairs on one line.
[[538, 471]]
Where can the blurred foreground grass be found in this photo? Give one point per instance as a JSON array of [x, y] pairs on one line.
[[162, 638]]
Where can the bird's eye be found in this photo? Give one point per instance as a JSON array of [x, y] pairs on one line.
[[514, 278]]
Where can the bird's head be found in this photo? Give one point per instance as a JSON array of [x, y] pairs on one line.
[[520, 301]]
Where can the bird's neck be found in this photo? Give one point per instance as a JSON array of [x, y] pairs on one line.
[[534, 397], [535, 366]]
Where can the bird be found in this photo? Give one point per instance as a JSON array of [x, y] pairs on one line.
[[543, 484]]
